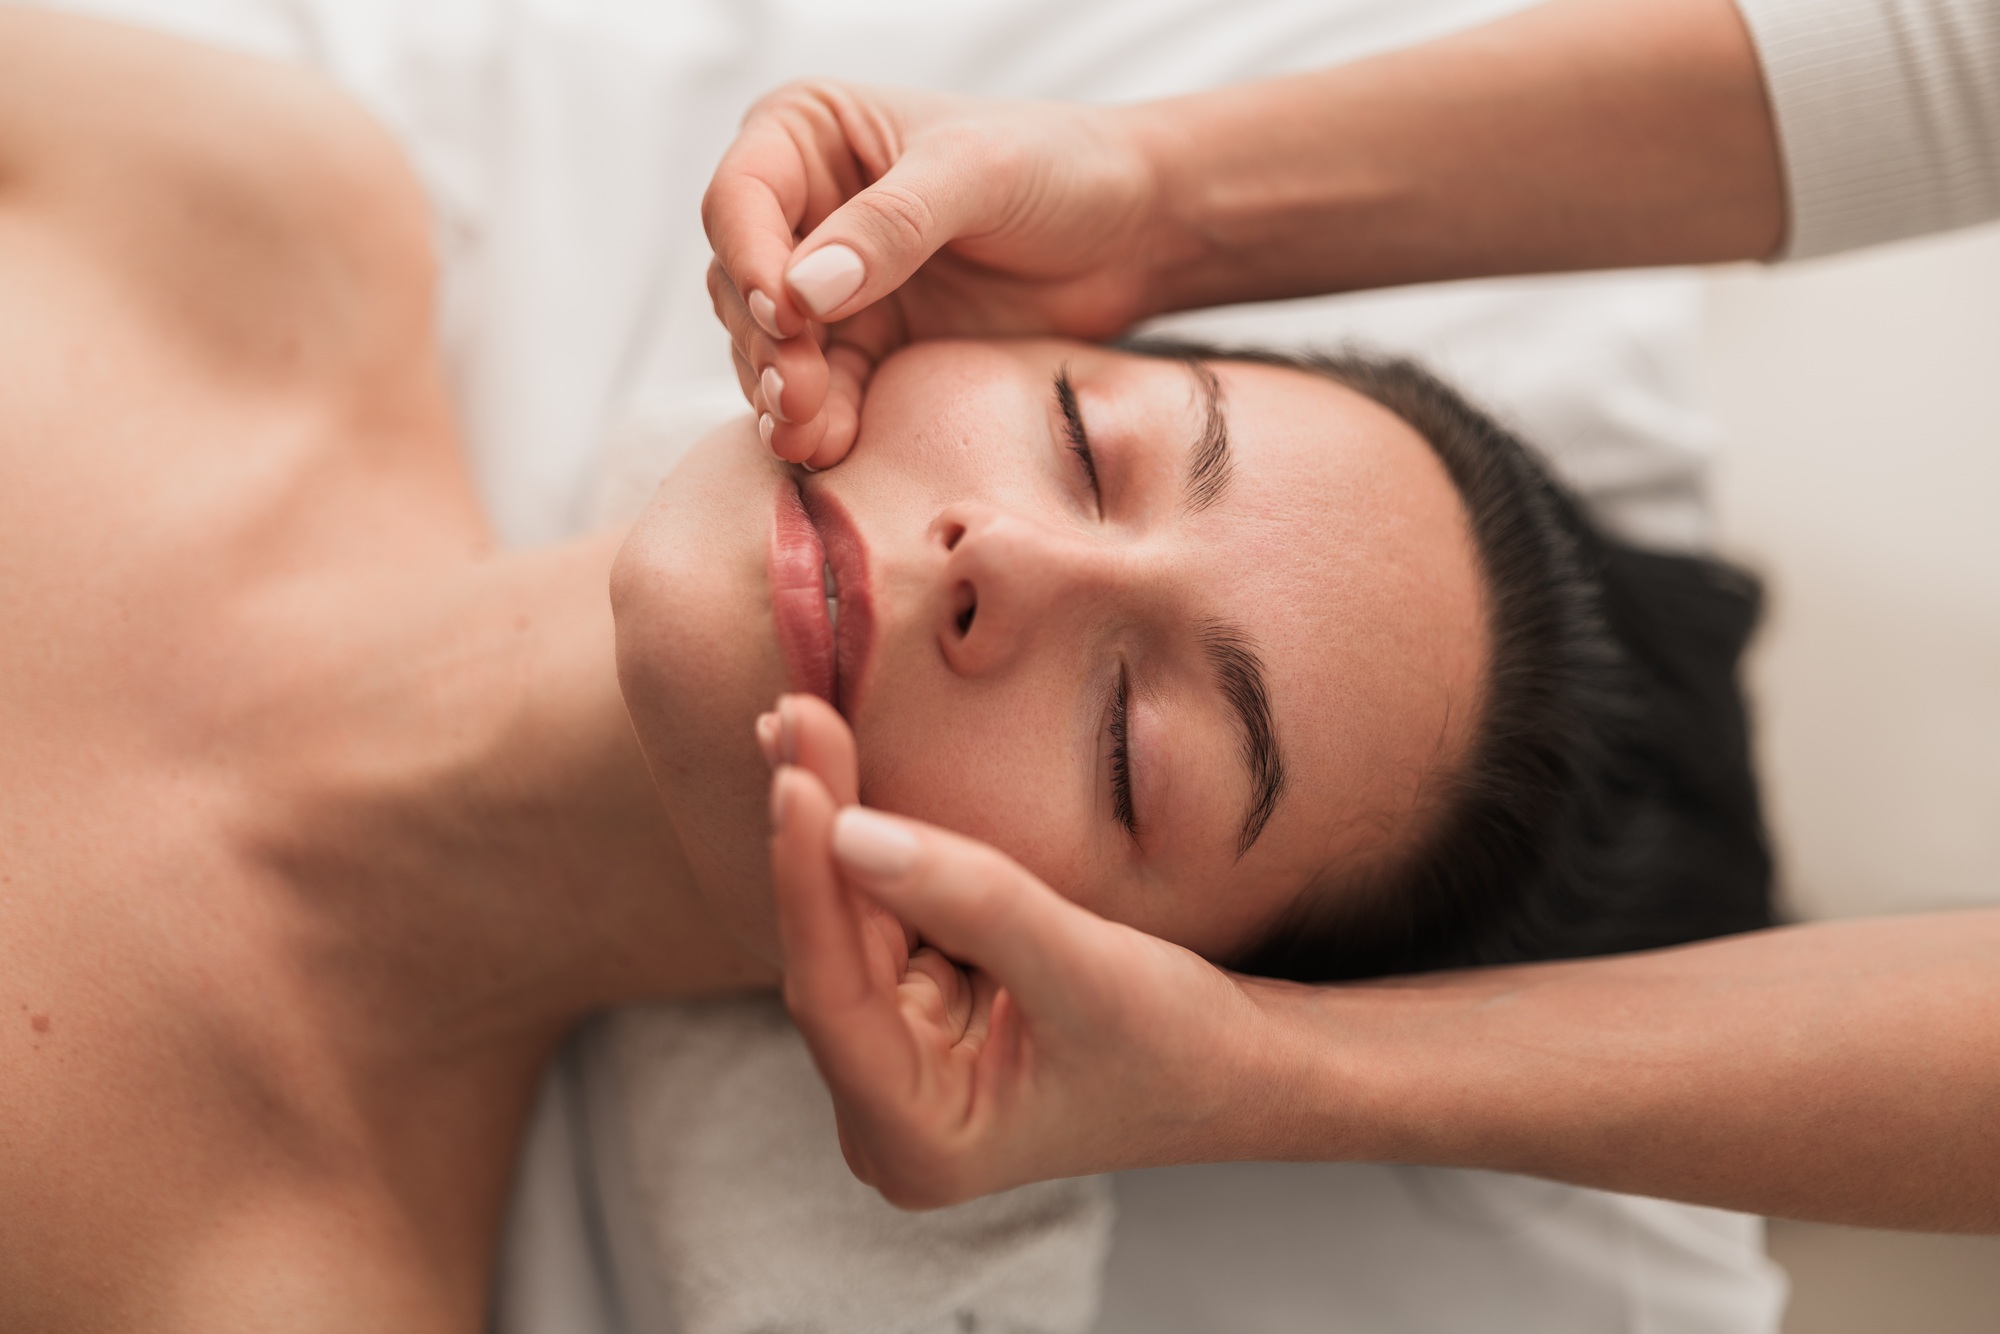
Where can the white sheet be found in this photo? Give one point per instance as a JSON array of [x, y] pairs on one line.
[[565, 144]]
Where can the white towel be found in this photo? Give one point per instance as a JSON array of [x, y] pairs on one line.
[[754, 1225]]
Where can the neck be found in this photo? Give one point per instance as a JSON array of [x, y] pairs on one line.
[[468, 856], [479, 831], [449, 840]]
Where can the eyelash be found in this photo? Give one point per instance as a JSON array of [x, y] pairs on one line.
[[1121, 754], [1079, 443], [1121, 760]]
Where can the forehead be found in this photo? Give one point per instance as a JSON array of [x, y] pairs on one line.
[[1344, 549]]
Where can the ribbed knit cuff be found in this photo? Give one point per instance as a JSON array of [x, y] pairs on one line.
[[1888, 115]]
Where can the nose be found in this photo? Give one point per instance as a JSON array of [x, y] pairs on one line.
[[1010, 579]]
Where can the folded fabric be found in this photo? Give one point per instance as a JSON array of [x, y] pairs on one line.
[[756, 1226]]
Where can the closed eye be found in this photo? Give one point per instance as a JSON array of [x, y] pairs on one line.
[[1121, 751], [1079, 442], [1121, 758]]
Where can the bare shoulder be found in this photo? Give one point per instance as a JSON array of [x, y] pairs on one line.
[[252, 209]]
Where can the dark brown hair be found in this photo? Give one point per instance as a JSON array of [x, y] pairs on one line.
[[1608, 802]]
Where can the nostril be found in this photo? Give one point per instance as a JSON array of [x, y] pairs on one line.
[[965, 603], [954, 533]]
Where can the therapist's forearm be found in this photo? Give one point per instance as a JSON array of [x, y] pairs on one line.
[[1580, 134], [1846, 1072]]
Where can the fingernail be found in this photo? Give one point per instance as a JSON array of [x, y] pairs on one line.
[[764, 311], [767, 739], [781, 800], [773, 385], [872, 844], [826, 277], [788, 733], [764, 428]]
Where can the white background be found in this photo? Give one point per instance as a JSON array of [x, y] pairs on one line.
[[1859, 469]]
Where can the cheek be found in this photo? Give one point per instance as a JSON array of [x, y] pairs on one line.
[[994, 764], [947, 423]]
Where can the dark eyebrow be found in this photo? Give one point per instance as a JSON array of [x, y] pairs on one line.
[[1209, 462], [1240, 674]]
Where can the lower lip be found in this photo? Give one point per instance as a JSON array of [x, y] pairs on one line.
[[798, 598], [854, 627]]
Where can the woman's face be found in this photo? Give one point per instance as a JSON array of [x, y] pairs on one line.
[[1176, 637]]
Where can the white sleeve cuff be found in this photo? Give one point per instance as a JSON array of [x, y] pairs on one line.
[[1888, 115]]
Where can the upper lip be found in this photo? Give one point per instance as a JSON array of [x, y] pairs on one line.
[[847, 556]]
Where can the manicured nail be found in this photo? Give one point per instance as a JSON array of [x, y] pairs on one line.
[[764, 311], [767, 739], [872, 844], [773, 385], [764, 428], [826, 277], [787, 733]]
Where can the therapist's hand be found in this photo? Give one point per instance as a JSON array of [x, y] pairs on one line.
[[922, 216], [1842, 1071], [1024, 1038], [1578, 134]]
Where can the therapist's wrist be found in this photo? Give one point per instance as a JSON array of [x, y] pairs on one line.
[[1297, 1087], [1206, 217], [1375, 1072], [1253, 205], [1180, 251]]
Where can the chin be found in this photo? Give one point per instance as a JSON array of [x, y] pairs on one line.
[[698, 661]]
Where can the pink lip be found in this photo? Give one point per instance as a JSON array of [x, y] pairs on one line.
[[811, 530]]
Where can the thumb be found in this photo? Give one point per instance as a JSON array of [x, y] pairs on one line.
[[940, 189], [972, 902]]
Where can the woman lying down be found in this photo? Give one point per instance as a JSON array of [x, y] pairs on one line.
[[324, 822], [1299, 662]]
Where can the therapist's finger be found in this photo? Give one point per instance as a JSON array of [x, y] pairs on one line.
[[974, 903], [812, 735], [758, 198], [839, 422], [830, 436], [790, 376], [847, 1011], [944, 186], [854, 349], [938, 991], [746, 339], [800, 443], [746, 380]]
